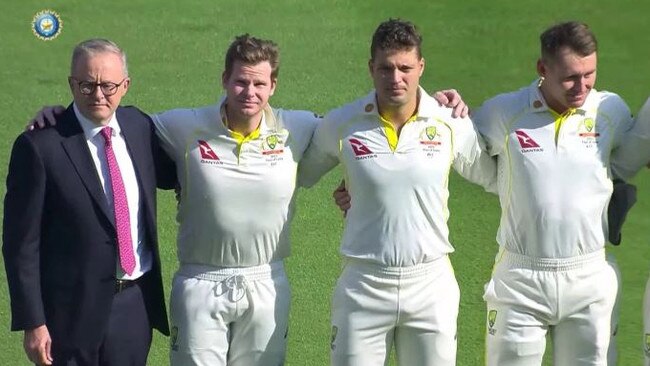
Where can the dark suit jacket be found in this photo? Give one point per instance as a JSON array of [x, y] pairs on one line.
[[59, 238]]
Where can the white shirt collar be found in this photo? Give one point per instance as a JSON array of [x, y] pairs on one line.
[[90, 128]]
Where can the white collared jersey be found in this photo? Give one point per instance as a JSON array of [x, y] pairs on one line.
[[554, 173], [399, 196], [636, 149], [236, 196]]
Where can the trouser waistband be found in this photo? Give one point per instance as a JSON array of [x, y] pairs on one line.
[[381, 270], [550, 264], [218, 274]]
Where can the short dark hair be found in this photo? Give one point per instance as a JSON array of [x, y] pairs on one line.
[[573, 35], [396, 35], [251, 50]]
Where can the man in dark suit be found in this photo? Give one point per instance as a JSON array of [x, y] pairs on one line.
[[79, 236]]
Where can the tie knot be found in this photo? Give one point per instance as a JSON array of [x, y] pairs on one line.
[[107, 133]]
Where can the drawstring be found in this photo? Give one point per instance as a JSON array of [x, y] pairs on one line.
[[235, 286]]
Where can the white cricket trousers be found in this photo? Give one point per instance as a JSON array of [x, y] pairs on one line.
[[646, 324], [612, 351], [415, 308], [572, 298], [229, 316]]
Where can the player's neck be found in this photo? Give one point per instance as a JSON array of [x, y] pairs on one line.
[[398, 115], [244, 125]]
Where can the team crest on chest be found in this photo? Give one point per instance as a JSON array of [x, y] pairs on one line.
[[430, 136], [492, 319], [272, 144], [587, 132], [430, 140]]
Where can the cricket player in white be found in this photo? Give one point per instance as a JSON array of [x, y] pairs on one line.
[[396, 146], [559, 143], [643, 119], [236, 163]]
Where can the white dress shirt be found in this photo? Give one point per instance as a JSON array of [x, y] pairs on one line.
[[143, 256]]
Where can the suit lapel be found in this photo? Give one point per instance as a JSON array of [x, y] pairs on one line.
[[76, 148], [137, 150]]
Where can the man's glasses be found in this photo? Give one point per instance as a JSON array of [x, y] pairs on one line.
[[88, 87]]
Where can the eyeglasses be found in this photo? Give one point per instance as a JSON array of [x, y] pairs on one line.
[[89, 87]]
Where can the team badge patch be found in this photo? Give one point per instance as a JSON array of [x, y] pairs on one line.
[[430, 132], [492, 318], [586, 129], [335, 330], [47, 25], [430, 136], [272, 145], [173, 338]]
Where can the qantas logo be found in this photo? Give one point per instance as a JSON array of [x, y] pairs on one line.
[[206, 151], [359, 148], [525, 141]]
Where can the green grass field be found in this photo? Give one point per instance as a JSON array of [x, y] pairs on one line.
[[176, 51]]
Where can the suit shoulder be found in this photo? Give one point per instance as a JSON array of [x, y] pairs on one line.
[[134, 112]]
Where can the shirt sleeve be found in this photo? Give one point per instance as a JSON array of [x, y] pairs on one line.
[[471, 160], [488, 121], [321, 155], [167, 129], [633, 151]]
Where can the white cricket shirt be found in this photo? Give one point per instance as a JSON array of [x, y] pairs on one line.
[[237, 193], [554, 174], [399, 193]]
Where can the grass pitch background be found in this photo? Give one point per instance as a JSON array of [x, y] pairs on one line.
[[176, 51]]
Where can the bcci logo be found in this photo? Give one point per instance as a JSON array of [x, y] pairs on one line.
[[173, 338], [47, 25], [492, 318]]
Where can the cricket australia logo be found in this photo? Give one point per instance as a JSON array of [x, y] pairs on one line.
[[361, 151], [587, 132], [173, 338], [272, 145], [430, 136], [527, 143], [492, 318], [208, 156], [335, 330]]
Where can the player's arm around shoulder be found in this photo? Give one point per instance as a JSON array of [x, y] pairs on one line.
[[470, 157], [173, 127], [322, 153], [301, 126], [631, 146], [493, 118]]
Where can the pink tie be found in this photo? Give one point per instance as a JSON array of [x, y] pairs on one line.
[[120, 206]]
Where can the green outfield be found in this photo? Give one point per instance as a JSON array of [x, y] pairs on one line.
[[176, 51]]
